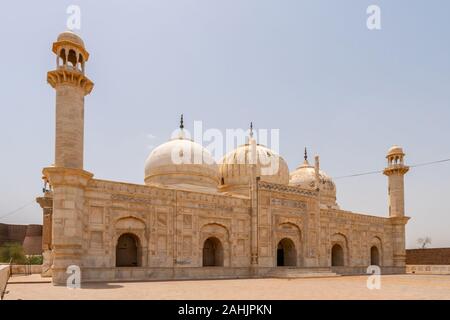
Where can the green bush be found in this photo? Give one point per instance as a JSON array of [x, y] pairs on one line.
[[14, 252], [35, 259]]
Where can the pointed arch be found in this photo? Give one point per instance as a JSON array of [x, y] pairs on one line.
[[375, 254], [128, 253], [214, 241], [339, 250]]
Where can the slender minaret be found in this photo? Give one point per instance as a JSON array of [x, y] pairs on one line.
[[71, 86], [316, 171], [67, 177], [395, 171], [253, 162]]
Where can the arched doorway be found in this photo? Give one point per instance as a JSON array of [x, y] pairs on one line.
[[286, 253], [127, 251], [374, 256], [337, 255], [212, 253]]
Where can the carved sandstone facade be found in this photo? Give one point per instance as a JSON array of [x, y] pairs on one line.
[[201, 220]]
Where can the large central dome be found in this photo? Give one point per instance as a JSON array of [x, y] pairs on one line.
[[179, 162]]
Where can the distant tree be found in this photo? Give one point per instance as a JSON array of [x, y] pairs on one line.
[[12, 252], [423, 242]]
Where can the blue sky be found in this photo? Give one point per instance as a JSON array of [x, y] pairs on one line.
[[310, 68]]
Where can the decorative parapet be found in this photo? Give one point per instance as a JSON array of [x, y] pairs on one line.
[[352, 216], [145, 194], [286, 189], [130, 188]]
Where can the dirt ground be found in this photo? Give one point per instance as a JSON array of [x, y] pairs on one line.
[[345, 287]]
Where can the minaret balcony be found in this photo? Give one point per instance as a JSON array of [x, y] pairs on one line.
[[73, 76], [396, 168]]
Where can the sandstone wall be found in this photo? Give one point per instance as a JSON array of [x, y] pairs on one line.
[[4, 275], [356, 233], [432, 256], [171, 225], [24, 268], [287, 212], [428, 269], [12, 233], [29, 236]]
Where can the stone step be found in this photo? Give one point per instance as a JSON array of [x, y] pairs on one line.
[[292, 272]]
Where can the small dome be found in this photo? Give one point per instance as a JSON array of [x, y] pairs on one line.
[[72, 37], [395, 150], [235, 168], [305, 177], [181, 161]]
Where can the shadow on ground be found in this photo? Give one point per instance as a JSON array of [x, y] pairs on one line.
[[100, 285]]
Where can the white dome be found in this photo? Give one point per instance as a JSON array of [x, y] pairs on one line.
[[235, 168], [305, 177], [181, 161]]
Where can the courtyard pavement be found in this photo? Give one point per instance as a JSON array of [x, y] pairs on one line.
[[346, 287]]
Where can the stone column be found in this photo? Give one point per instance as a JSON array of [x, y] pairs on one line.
[[46, 203], [67, 227], [398, 237]]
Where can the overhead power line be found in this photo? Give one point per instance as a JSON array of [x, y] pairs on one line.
[[380, 171], [358, 174], [429, 163], [17, 210]]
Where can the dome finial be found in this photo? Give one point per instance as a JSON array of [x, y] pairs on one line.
[[305, 157], [181, 122], [251, 129]]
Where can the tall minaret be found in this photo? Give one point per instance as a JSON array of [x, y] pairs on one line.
[[395, 171], [71, 85], [67, 178]]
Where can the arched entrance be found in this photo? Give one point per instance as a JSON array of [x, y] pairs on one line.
[[212, 253], [286, 253], [337, 255], [374, 256], [127, 251]]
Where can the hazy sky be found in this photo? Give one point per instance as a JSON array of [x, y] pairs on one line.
[[310, 68]]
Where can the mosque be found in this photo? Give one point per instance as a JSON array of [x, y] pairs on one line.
[[202, 220]]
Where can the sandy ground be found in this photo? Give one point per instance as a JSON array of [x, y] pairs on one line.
[[346, 287]]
